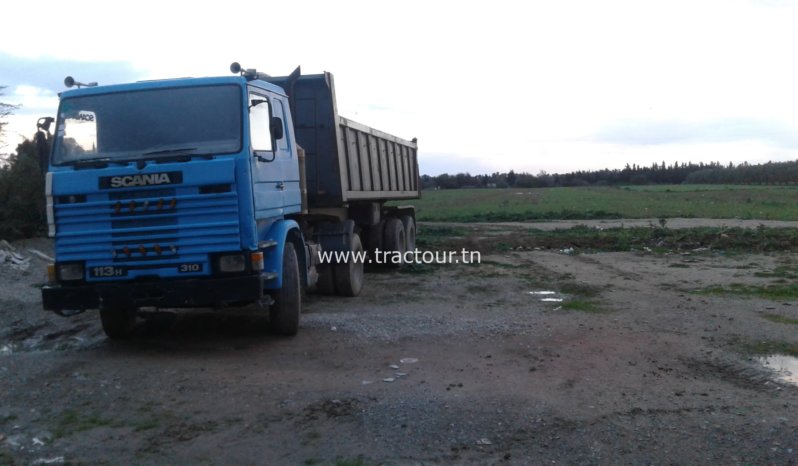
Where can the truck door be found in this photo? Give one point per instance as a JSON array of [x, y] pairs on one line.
[[267, 175], [286, 159]]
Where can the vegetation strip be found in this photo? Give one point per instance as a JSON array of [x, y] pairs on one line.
[[587, 239], [609, 202]]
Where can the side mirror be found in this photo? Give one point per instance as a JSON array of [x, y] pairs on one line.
[[44, 123], [276, 127]]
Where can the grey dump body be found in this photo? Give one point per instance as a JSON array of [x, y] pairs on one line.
[[346, 161]]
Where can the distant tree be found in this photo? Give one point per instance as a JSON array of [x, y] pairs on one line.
[[526, 180], [21, 194], [511, 178], [656, 173], [5, 111]]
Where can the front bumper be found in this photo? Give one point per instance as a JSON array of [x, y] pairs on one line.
[[208, 292]]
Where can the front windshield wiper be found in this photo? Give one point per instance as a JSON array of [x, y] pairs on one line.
[[91, 163], [171, 151]]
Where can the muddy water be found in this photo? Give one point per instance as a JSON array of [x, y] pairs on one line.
[[786, 367]]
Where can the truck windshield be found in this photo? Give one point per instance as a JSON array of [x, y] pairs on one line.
[[149, 124]]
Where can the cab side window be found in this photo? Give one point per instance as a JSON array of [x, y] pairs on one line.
[[259, 116], [282, 143]]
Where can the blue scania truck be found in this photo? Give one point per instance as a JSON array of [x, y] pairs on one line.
[[217, 192]]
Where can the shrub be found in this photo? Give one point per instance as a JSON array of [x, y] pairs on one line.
[[22, 213]]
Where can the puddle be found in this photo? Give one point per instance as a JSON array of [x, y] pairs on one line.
[[44, 343], [786, 367], [549, 296]]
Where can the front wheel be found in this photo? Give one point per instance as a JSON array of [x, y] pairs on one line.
[[118, 322], [284, 312]]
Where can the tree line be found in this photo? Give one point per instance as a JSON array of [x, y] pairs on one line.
[[676, 173], [22, 213]]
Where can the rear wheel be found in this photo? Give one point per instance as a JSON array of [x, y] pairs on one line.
[[374, 237], [349, 275], [394, 241], [410, 232], [118, 321], [326, 283], [284, 312]]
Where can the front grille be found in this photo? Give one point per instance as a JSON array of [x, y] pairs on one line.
[[158, 227]]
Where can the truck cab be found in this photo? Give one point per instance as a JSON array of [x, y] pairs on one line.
[[186, 193]]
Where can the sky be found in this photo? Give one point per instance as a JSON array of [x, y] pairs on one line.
[[484, 86]]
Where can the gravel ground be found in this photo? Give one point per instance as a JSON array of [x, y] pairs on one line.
[[451, 364]]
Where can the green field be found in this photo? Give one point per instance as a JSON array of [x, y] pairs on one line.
[[518, 204]]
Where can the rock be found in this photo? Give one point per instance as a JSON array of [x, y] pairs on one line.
[[484, 441], [16, 440], [53, 460]]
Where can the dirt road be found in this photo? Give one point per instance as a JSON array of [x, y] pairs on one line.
[[459, 364]]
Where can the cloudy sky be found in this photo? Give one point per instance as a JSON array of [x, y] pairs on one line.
[[484, 86]]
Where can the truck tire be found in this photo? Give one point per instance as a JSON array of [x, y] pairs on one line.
[[374, 238], [349, 276], [326, 283], [410, 232], [118, 322], [394, 240], [284, 312]]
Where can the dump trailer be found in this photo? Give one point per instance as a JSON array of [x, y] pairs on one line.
[[219, 192]]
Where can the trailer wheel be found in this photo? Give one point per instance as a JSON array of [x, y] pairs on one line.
[[118, 321], [410, 232], [326, 283], [394, 240], [349, 275], [374, 237], [284, 313]]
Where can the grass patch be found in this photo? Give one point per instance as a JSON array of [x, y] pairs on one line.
[[654, 239], [771, 347], [783, 271], [679, 265], [146, 424], [583, 305], [430, 236], [70, 422], [443, 230], [580, 289], [359, 461], [417, 269], [778, 292], [609, 202], [779, 319], [6, 459], [502, 265]]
